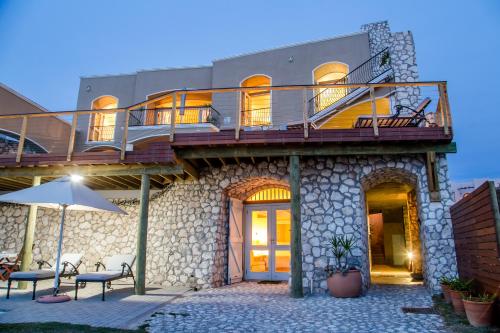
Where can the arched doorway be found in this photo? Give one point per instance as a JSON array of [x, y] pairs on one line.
[[102, 125], [259, 231], [256, 104], [329, 73], [393, 227]]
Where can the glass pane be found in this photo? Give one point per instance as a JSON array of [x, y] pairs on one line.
[[282, 261], [259, 260], [259, 227], [283, 231]]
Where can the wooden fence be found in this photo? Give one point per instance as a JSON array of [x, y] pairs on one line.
[[476, 227]]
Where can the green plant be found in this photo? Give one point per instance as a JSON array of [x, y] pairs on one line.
[[483, 298], [341, 249], [445, 280], [460, 285], [386, 59]]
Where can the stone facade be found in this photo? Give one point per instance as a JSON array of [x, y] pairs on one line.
[[188, 223], [403, 59]]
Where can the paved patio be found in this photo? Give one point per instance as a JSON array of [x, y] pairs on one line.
[[122, 309], [252, 307]]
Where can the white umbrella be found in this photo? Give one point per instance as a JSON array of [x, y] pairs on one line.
[[66, 193]]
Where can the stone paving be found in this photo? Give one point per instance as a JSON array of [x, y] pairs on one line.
[[252, 307], [122, 309]]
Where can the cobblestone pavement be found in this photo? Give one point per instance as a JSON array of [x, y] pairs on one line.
[[252, 307], [122, 309]]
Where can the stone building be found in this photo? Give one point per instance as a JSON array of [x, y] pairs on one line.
[[241, 158]]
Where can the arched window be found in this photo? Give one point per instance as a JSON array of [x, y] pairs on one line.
[[329, 73], [273, 194], [256, 104], [102, 125]]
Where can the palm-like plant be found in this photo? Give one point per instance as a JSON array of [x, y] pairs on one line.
[[341, 249]]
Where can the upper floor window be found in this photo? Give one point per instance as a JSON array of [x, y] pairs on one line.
[[191, 108], [329, 73], [102, 125], [256, 104]]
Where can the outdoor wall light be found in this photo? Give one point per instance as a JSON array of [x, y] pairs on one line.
[[76, 178], [410, 255]]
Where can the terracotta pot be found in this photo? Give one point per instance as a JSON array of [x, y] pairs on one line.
[[456, 301], [479, 314], [446, 292], [345, 284]]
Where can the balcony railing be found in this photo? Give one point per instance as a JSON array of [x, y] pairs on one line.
[[256, 117], [374, 67], [163, 116], [101, 133], [290, 107]]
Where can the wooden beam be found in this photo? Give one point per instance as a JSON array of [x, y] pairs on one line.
[[188, 168], [123, 148], [172, 117], [323, 150], [237, 160], [296, 243], [71, 144], [93, 170], [22, 137], [222, 161], [142, 237], [374, 111], [208, 162], [29, 236], [432, 176], [495, 203]]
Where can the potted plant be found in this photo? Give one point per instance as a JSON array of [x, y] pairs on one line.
[[344, 280], [458, 289], [479, 309], [445, 288]]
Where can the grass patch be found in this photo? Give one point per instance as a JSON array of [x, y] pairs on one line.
[[53, 327], [455, 322]]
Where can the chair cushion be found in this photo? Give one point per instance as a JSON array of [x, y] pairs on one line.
[[114, 263], [34, 275], [99, 276], [73, 258]]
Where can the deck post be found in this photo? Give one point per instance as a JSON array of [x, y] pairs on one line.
[[237, 118], [374, 111], [22, 136], [443, 104], [71, 144], [123, 148], [173, 112], [142, 236], [296, 244], [29, 236], [304, 114]]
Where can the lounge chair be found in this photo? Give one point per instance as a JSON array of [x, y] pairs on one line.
[[68, 268], [7, 267], [118, 266], [395, 120]]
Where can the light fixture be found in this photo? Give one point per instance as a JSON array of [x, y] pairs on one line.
[[410, 255], [76, 178]]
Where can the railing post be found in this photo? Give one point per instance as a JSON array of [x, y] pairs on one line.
[[443, 103], [374, 111], [304, 114], [71, 143], [173, 111], [22, 136], [237, 117], [125, 135]]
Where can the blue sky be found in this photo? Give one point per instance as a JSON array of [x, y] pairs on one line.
[[45, 46]]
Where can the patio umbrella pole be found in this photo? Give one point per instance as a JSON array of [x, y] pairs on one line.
[[59, 249]]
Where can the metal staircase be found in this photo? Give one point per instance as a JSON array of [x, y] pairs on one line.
[[331, 100]]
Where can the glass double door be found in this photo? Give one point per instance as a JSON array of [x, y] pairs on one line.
[[267, 241]]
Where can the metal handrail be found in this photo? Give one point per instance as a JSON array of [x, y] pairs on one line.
[[184, 115], [256, 117], [377, 65]]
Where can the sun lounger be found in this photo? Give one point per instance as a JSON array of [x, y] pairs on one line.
[[68, 268], [116, 267], [396, 120], [7, 266]]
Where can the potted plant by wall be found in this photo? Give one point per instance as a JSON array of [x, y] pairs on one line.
[[344, 279], [479, 309], [458, 289], [445, 288]]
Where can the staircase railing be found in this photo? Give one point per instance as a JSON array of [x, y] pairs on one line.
[[377, 65]]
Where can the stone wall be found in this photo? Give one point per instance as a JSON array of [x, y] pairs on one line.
[[403, 59], [188, 221]]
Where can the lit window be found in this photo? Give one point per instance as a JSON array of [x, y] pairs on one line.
[[270, 194], [102, 125], [256, 104], [329, 73]]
